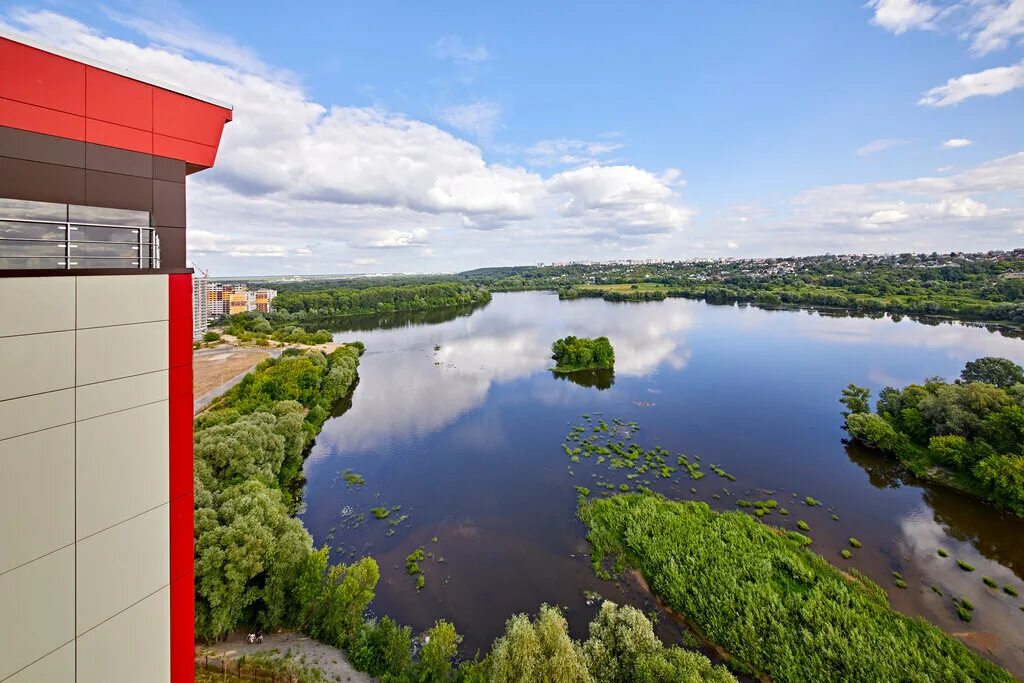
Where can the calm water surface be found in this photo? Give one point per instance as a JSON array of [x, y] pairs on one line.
[[457, 420]]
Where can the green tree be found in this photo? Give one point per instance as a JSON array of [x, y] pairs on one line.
[[999, 372], [537, 651], [211, 336], [440, 645], [855, 399], [382, 648], [623, 648]]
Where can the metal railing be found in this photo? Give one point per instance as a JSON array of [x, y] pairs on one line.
[[48, 245]]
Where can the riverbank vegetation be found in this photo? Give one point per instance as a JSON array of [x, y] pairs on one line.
[[982, 286], [778, 609], [329, 301], [255, 564], [573, 354], [622, 647], [968, 434]]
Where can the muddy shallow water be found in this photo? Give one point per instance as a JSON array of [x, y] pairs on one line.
[[457, 419]]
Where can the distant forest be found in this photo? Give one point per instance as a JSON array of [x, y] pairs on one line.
[[983, 286]]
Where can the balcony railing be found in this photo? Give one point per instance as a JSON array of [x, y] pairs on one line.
[[49, 245]]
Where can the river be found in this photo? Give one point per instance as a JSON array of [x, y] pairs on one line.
[[458, 420]]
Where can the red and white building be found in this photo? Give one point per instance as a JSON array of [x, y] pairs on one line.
[[96, 494]]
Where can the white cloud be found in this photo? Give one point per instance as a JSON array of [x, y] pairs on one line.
[[453, 48], [569, 152], [989, 83], [961, 207], [988, 25], [899, 16], [879, 146], [955, 143], [178, 33], [885, 217], [633, 197], [295, 175], [392, 239], [257, 251], [480, 119], [995, 24]]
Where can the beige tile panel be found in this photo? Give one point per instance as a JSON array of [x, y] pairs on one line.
[[29, 305], [106, 353], [133, 646], [120, 394], [121, 299], [37, 363], [33, 413], [122, 462], [56, 667], [37, 495], [37, 610], [121, 565]]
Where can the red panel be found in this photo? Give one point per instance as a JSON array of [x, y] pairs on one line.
[[180, 437], [182, 543], [183, 630], [41, 78], [183, 528], [122, 137], [181, 381], [45, 93], [186, 118], [179, 289], [116, 99], [29, 117], [192, 152]]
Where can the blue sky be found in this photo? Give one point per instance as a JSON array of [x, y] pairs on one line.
[[378, 137]]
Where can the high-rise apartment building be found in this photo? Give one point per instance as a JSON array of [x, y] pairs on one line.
[[228, 299], [96, 497], [200, 307]]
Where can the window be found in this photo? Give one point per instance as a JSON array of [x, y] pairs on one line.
[[46, 236]]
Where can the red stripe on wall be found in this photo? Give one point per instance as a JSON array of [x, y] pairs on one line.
[[183, 647], [179, 309]]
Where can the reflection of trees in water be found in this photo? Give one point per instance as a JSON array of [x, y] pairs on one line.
[[344, 404], [387, 321], [601, 379], [996, 534], [1005, 329], [883, 472]]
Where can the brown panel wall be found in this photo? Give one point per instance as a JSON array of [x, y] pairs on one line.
[[41, 182], [113, 160], [52, 169], [20, 144]]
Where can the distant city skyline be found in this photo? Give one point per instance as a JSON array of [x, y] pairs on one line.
[[414, 138]]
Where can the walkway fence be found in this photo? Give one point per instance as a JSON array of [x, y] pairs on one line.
[[224, 669]]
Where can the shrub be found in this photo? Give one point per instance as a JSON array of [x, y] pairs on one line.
[[211, 336]]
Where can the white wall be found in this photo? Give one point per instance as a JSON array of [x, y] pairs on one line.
[[84, 520]]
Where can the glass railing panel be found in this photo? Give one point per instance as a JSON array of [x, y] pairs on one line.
[[31, 231]]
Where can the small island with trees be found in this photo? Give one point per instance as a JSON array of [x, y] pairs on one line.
[[572, 354], [967, 434]]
